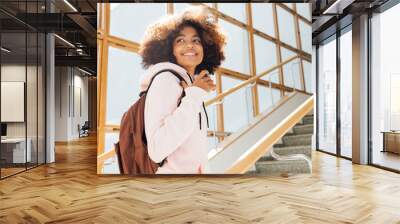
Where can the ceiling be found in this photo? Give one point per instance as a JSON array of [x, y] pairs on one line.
[[74, 21], [328, 16]]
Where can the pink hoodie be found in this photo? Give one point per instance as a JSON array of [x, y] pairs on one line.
[[174, 132]]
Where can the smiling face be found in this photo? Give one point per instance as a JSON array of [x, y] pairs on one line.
[[187, 49]]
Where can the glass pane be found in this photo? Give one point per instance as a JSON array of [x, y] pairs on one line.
[[14, 154], [237, 106], [276, 95], [305, 36], [304, 9], [235, 10], [121, 13], [110, 165], [266, 98], [179, 7], [314, 69], [212, 119], [267, 95], [265, 52], [273, 76], [286, 27], [291, 70], [346, 94], [327, 98], [386, 88], [262, 18], [237, 48], [31, 101], [124, 72], [212, 143], [394, 102], [307, 76]]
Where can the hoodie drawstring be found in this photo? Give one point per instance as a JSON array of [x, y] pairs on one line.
[[200, 120], [204, 107], [205, 111]]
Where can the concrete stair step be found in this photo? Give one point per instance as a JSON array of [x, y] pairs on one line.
[[291, 150], [283, 166], [288, 151], [292, 155], [296, 139], [303, 129], [309, 119]]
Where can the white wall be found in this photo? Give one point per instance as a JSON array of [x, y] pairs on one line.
[[80, 100], [61, 103], [71, 93], [12, 73]]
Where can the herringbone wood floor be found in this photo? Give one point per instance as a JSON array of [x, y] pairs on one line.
[[69, 191]]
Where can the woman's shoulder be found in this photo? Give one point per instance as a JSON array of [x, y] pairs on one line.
[[165, 83], [168, 67], [166, 77]]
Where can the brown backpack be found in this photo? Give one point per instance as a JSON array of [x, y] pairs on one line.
[[131, 150]]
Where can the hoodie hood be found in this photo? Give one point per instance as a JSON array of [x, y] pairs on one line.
[[152, 70]]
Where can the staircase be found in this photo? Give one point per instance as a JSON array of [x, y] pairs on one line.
[[292, 155], [245, 150]]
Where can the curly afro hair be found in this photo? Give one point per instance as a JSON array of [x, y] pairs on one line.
[[157, 44]]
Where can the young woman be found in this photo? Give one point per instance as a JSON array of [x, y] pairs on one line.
[[191, 45]]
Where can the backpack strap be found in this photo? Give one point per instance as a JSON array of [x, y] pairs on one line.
[[179, 100], [161, 71]]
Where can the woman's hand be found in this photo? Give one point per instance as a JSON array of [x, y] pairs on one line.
[[202, 81]]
